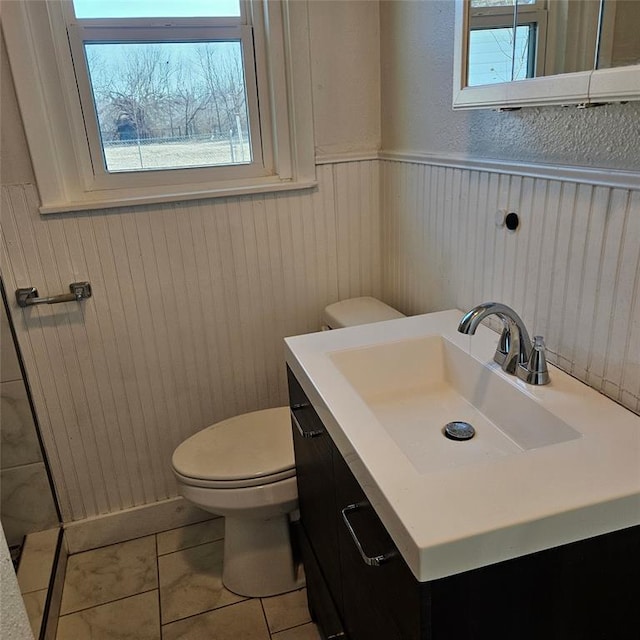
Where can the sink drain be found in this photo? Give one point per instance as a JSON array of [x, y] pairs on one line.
[[458, 430]]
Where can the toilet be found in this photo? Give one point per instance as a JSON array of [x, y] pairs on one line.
[[243, 469]]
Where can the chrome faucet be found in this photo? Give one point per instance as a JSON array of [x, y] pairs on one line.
[[515, 353]]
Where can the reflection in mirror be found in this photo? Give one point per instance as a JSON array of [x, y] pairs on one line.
[[500, 46], [524, 53], [619, 40], [573, 36], [517, 39]]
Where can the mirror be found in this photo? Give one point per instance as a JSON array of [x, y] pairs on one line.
[[619, 43], [531, 52], [517, 39]]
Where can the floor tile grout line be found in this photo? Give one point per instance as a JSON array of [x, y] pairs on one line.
[[190, 524], [112, 544], [192, 546], [266, 620], [295, 626], [272, 633], [102, 604], [145, 535], [159, 597], [200, 613]]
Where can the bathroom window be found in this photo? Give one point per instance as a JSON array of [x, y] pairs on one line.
[[152, 100]]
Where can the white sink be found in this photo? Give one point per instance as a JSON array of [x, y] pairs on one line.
[[549, 465], [415, 387]]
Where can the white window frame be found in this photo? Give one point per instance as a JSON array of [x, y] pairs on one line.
[[67, 163], [99, 177]]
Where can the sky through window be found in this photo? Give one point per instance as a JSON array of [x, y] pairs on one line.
[[91, 9]]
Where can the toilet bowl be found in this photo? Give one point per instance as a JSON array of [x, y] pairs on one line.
[[243, 468]]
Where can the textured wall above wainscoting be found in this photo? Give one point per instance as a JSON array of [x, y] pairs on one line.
[[191, 302], [572, 269]]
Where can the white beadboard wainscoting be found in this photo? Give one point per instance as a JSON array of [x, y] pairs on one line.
[[191, 302], [571, 270]]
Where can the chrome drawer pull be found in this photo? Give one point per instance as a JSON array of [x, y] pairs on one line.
[[312, 433], [374, 561]]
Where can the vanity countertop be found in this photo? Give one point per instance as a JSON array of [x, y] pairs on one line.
[[450, 519]]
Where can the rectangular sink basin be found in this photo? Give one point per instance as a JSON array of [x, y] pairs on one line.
[[549, 465], [415, 387]]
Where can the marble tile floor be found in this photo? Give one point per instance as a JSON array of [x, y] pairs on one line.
[[167, 587], [37, 562]]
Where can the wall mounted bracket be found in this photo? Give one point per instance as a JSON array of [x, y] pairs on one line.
[[28, 296]]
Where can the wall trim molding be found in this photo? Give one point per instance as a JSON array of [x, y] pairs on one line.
[[119, 526], [585, 175], [347, 156]]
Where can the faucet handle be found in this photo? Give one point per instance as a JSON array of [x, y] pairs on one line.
[[503, 346], [536, 371]]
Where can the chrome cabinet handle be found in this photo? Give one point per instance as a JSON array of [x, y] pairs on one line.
[[372, 561], [28, 296], [310, 433]]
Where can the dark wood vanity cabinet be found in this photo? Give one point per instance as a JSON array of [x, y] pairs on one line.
[[319, 532], [371, 603], [587, 590], [347, 597]]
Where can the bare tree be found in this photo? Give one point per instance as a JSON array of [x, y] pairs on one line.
[[100, 78], [153, 90], [136, 91], [189, 96], [221, 71]]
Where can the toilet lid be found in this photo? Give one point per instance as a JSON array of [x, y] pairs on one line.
[[251, 445]]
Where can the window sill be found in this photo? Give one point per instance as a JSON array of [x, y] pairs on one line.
[[102, 200]]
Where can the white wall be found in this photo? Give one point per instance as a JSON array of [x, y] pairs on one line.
[[573, 268], [191, 300], [345, 65], [15, 163], [417, 62]]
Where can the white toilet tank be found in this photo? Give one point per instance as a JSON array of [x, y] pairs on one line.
[[355, 311]]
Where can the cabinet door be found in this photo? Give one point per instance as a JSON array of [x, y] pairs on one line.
[[321, 606], [380, 602], [316, 495], [585, 590]]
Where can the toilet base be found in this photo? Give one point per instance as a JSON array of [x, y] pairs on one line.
[[258, 560]]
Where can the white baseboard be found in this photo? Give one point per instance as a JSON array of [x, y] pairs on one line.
[[148, 519]]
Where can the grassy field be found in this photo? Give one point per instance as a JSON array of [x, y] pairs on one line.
[[174, 155]]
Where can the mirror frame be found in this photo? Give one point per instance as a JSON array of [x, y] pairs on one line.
[[617, 84]]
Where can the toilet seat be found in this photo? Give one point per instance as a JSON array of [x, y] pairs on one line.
[[235, 484], [248, 450]]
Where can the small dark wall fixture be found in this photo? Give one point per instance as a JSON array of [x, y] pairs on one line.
[[512, 221]]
